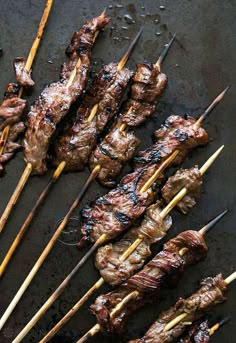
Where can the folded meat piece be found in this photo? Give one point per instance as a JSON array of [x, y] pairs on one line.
[[117, 210], [164, 269], [55, 100], [117, 148], [189, 178], [23, 76], [152, 229], [209, 295], [175, 133], [76, 143], [11, 111]]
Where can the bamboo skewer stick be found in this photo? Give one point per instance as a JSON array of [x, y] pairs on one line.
[[4, 138], [28, 65], [95, 329], [30, 217], [218, 325], [100, 282], [56, 175]]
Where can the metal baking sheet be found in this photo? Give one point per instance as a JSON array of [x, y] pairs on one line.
[[201, 63]]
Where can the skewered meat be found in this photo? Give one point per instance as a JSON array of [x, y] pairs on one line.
[[112, 154], [152, 229], [210, 294], [23, 76], [119, 147], [164, 269], [74, 146], [118, 209], [11, 111], [189, 178], [198, 332], [175, 133], [56, 99]]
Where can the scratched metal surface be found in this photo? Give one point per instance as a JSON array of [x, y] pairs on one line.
[[200, 65]]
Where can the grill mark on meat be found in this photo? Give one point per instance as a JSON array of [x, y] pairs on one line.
[[125, 199], [189, 178], [145, 92], [175, 133], [152, 229], [210, 294], [76, 143], [164, 269], [56, 99]]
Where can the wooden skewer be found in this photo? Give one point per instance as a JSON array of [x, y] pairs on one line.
[[28, 66], [179, 318], [56, 175], [95, 329], [4, 137], [30, 217], [218, 325], [94, 288]]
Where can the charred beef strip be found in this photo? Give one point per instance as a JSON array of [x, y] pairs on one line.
[[210, 294], [56, 99], [164, 269], [11, 111], [112, 154], [118, 148], [23, 76], [189, 178], [117, 210], [198, 332], [75, 144], [175, 133], [152, 229]]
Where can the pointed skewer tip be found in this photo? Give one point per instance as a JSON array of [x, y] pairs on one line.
[[212, 223], [103, 14], [165, 52]]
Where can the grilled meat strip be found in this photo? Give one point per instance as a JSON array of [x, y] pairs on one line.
[[198, 332], [175, 133], [56, 99], [164, 269], [152, 229], [11, 111], [210, 294], [23, 76], [118, 148], [76, 143], [118, 209], [112, 154], [189, 178]]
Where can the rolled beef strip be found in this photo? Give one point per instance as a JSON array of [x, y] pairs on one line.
[[164, 269], [56, 99], [197, 305], [117, 148], [75, 144], [11, 111], [23, 76]]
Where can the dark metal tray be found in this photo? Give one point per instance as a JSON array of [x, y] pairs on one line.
[[200, 65]]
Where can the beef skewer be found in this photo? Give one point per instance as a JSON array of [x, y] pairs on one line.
[[81, 262], [167, 266], [94, 288], [170, 326], [62, 165], [54, 103], [11, 102]]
